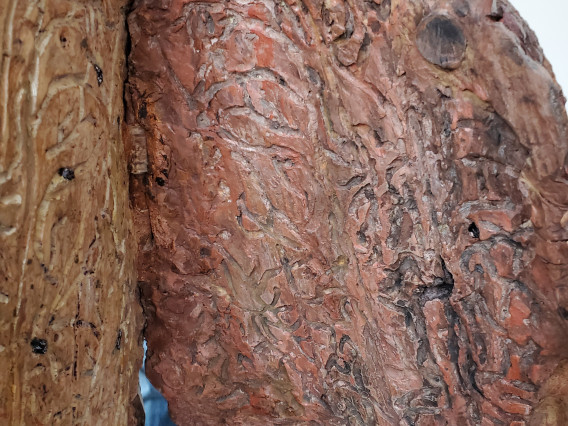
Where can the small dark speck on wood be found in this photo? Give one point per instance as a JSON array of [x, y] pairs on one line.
[[39, 346], [143, 111], [118, 340], [99, 72], [67, 173]]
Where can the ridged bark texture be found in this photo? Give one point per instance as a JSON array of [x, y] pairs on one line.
[[69, 313], [349, 212]]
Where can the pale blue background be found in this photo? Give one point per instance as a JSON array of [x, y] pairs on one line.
[[549, 20], [155, 406]]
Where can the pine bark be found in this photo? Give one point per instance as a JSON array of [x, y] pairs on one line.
[[345, 212], [349, 212]]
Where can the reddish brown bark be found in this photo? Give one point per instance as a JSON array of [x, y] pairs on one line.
[[350, 212]]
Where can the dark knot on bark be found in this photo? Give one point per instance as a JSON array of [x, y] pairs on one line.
[[441, 41]]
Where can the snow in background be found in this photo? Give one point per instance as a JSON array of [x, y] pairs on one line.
[[549, 20]]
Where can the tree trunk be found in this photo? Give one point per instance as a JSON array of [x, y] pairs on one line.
[[346, 212], [349, 212], [69, 314]]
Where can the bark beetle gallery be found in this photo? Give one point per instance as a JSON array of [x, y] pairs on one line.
[[349, 212], [345, 212]]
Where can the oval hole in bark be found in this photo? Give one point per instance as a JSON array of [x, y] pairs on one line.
[[473, 230], [66, 173], [39, 346]]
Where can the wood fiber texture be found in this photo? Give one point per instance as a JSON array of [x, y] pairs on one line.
[[349, 212], [69, 314]]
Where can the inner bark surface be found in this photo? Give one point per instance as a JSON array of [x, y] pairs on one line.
[[70, 319]]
